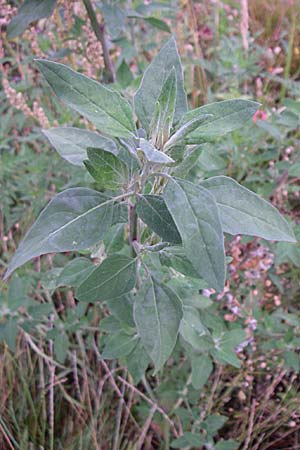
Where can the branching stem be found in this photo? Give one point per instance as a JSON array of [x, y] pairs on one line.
[[99, 30]]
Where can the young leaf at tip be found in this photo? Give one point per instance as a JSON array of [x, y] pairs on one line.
[[145, 99], [107, 169]]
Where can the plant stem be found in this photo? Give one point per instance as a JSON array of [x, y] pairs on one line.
[[289, 56], [99, 30], [133, 227], [199, 71]]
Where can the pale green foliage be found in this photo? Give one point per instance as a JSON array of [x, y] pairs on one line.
[[160, 238], [113, 278], [146, 98], [197, 218], [72, 143], [244, 212], [105, 108], [157, 315], [30, 11]]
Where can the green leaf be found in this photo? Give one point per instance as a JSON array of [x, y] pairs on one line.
[[225, 345], [75, 219], [157, 316], [61, 345], [72, 143], [153, 80], [124, 75], [196, 216], [105, 108], [158, 23], [192, 329], [292, 361], [137, 362], [30, 11], [202, 367], [164, 113], [213, 423], [181, 135], [75, 272], [9, 333], [187, 440], [244, 212], [113, 278], [106, 168], [153, 155], [153, 212], [118, 345], [189, 161], [122, 309], [175, 257], [228, 116], [229, 444]]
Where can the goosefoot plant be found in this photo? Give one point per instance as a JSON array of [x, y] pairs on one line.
[[163, 234]]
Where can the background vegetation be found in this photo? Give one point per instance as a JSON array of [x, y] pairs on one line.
[[55, 391]]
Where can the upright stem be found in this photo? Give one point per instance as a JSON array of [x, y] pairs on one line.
[[289, 56], [200, 72], [133, 227], [99, 30]]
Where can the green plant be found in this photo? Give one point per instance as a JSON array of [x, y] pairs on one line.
[[162, 234]]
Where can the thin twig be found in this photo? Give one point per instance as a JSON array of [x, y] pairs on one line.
[[114, 384], [99, 30], [51, 391], [118, 421], [251, 423], [6, 438], [148, 400], [145, 429]]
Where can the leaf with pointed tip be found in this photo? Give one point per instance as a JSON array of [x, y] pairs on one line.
[[72, 143], [244, 212], [122, 309], [189, 161], [106, 168], [196, 216], [154, 213], [75, 272], [153, 80], [113, 278], [225, 345], [175, 257], [153, 155], [202, 367], [181, 135], [75, 219], [107, 109], [157, 316], [118, 345], [228, 115], [137, 362], [163, 118], [30, 11], [192, 329]]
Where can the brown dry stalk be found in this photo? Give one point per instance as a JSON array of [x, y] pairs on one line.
[[245, 24], [251, 423], [200, 72], [114, 384], [148, 400], [6, 438], [145, 429]]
